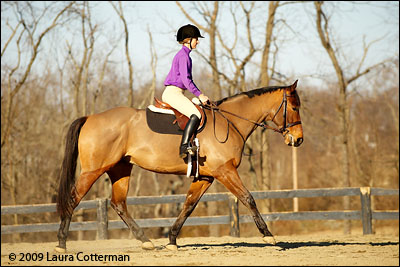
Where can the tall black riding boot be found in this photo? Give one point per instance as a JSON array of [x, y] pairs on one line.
[[190, 128]]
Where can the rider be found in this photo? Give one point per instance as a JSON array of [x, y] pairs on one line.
[[180, 79]]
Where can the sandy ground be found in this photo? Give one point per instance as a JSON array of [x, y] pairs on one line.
[[339, 250]]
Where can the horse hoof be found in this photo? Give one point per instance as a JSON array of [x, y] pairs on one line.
[[269, 240], [60, 250], [147, 245], [172, 247]]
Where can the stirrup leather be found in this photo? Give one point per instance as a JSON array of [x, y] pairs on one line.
[[186, 150], [193, 160]]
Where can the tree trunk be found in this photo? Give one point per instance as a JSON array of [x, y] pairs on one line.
[[265, 169], [343, 109], [264, 76]]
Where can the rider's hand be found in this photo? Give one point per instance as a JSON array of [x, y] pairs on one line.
[[203, 98]]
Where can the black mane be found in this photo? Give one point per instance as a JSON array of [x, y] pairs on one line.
[[252, 93]]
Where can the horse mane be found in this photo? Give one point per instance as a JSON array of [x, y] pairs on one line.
[[252, 93]]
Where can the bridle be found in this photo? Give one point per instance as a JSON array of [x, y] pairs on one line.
[[285, 126], [282, 130]]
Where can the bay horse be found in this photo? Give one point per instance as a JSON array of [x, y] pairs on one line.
[[112, 141]]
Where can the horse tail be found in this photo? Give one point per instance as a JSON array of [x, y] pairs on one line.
[[65, 203]]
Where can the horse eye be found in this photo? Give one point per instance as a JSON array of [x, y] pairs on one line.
[[295, 109]]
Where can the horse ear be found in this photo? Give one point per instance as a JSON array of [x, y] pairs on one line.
[[293, 86]]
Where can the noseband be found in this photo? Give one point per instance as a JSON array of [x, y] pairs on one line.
[[283, 130]]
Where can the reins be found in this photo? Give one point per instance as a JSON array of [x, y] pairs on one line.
[[214, 108]]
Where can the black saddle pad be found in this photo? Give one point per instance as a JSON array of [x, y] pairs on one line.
[[162, 123]]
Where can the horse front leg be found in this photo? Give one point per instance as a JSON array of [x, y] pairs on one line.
[[197, 189], [227, 174]]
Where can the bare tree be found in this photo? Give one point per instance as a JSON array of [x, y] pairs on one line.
[[210, 16], [264, 75], [121, 15], [238, 81], [153, 62], [265, 169], [16, 75], [80, 77], [323, 28], [100, 83]]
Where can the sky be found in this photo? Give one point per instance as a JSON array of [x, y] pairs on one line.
[[300, 52]]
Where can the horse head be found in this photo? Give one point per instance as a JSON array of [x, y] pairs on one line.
[[287, 116]]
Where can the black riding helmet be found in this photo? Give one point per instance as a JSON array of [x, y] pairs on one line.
[[188, 31]]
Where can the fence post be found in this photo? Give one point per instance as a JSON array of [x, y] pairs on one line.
[[366, 213], [234, 216], [102, 219]]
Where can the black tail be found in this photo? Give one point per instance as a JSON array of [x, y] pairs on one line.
[[65, 203]]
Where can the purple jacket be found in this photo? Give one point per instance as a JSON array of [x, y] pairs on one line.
[[180, 74]]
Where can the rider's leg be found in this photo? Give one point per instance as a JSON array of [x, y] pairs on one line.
[[190, 129], [175, 97]]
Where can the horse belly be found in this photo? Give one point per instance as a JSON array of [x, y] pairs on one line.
[[155, 152], [157, 160]]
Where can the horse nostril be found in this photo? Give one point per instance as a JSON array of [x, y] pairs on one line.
[[299, 141]]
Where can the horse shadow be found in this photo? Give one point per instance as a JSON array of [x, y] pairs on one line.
[[283, 246]]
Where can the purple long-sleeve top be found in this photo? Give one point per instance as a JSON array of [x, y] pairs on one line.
[[180, 74]]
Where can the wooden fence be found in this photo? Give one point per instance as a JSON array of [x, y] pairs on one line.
[[102, 224]]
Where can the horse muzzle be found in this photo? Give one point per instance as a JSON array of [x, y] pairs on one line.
[[290, 140]]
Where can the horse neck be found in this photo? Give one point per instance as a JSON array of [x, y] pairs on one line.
[[256, 109]]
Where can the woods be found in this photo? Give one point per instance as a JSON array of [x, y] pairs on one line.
[[59, 61]]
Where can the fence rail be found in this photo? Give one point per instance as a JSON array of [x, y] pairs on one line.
[[102, 224]]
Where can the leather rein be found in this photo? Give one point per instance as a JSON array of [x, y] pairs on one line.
[[282, 130]]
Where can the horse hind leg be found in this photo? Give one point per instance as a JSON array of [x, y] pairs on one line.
[[82, 186], [119, 176], [63, 234]]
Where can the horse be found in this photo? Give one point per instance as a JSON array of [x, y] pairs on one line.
[[112, 141]]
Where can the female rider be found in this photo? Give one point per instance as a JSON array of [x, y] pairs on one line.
[[179, 79]]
